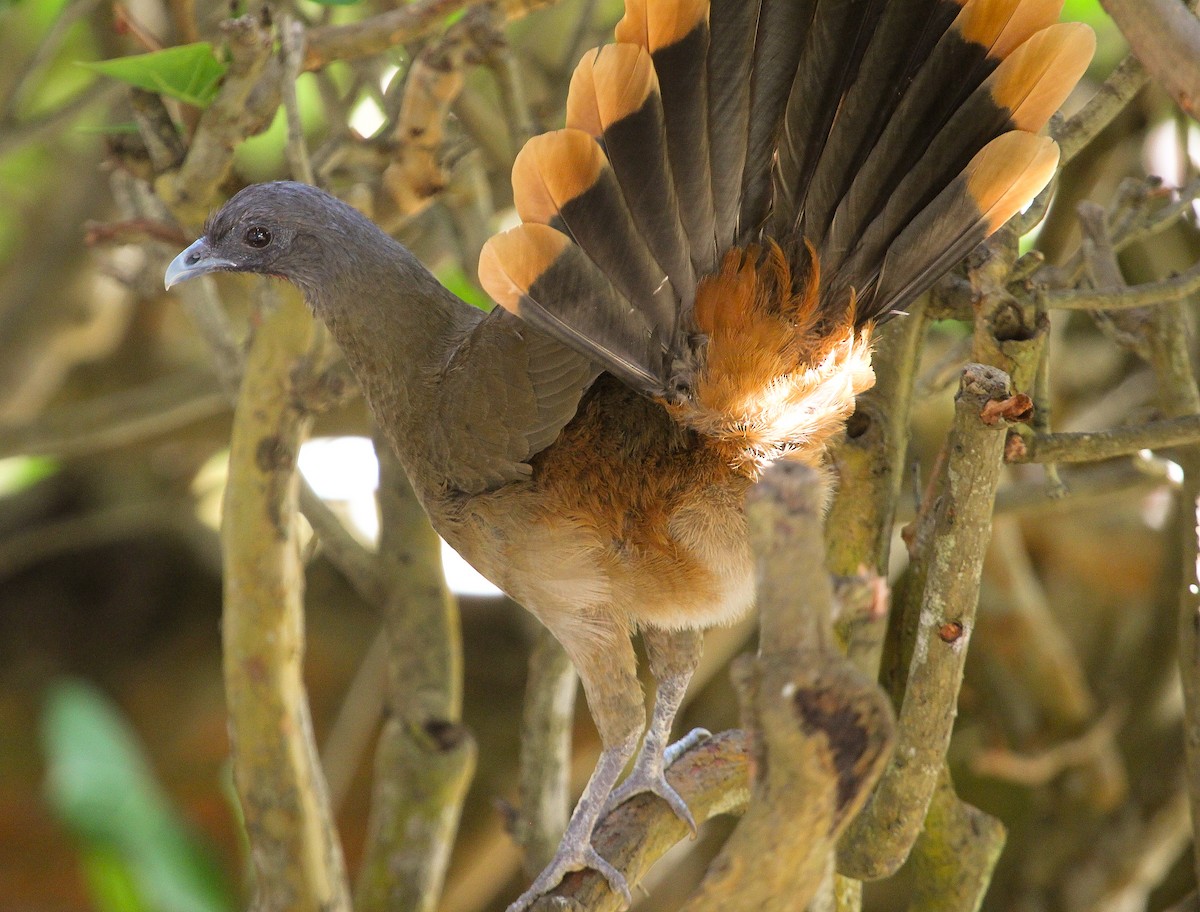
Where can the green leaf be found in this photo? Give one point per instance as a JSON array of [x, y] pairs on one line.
[[189, 72], [101, 785]]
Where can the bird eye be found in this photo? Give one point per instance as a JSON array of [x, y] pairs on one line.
[[258, 236]]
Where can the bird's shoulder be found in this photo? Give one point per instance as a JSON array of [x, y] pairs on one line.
[[506, 391]]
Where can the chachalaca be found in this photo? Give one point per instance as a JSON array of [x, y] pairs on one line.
[[742, 190]]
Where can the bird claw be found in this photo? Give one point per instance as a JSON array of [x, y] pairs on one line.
[[567, 859], [685, 744], [649, 775], [653, 781]]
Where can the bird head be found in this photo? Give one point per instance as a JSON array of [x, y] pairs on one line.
[[282, 229]]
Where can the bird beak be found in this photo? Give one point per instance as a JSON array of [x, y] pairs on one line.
[[198, 259]]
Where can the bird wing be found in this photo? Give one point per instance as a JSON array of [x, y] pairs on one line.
[[506, 393]]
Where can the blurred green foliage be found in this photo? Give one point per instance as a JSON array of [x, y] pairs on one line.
[[18, 473], [137, 853], [455, 279]]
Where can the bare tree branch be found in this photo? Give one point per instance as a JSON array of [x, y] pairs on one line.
[[942, 610], [293, 844], [1166, 38]]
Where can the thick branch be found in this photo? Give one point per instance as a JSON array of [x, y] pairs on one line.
[[1165, 35], [293, 843], [879, 840], [425, 757], [549, 711], [954, 857], [823, 732], [870, 464]]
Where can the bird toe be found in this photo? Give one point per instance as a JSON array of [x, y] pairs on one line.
[[572, 858]]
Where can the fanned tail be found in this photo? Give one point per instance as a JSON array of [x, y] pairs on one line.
[[745, 186]]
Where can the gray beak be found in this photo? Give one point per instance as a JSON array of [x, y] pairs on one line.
[[198, 259]]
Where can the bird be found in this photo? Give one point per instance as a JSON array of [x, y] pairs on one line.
[[742, 191]]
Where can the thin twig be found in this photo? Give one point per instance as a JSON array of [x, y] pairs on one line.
[[1093, 446], [120, 419], [15, 135], [32, 69], [358, 564], [1178, 288], [377, 34], [356, 722], [1103, 482], [1020, 630], [291, 40], [1033, 770]]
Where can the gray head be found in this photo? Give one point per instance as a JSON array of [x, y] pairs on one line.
[[284, 229]]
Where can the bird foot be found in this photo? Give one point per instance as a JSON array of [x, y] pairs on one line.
[[649, 775], [685, 744], [572, 856]]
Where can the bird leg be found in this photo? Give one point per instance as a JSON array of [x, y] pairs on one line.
[[674, 656], [609, 676]]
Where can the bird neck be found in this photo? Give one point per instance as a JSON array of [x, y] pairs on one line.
[[397, 327]]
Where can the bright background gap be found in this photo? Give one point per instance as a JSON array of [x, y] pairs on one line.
[[345, 471]]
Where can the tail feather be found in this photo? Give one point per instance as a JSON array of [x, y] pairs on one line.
[[999, 181], [783, 28], [676, 35], [744, 190], [961, 60], [1022, 93], [732, 24], [538, 274], [830, 63], [906, 34], [614, 97], [564, 180]]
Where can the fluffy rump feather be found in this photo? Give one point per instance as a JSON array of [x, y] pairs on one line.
[[780, 373]]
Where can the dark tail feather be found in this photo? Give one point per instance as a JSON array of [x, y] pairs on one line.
[[540, 275], [907, 32], [837, 41], [732, 24], [614, 97], [676, 35], [563, 179], [783, 27], [959, 62], [999, 181], [1020, 94]]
